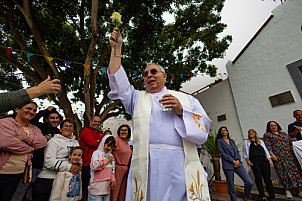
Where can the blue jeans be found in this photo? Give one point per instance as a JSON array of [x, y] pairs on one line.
[[98, 197], [248, 183]]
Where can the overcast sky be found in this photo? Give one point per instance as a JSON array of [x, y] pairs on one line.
[[243, 19]]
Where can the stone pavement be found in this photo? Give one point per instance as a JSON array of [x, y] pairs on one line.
[[279, 193]]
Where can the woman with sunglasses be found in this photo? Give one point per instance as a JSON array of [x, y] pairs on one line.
[[18, 140], [122, 154]]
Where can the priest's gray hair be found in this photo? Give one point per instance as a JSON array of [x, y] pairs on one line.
[[159, 66]]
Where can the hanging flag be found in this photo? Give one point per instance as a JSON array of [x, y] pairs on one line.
[[67, 63], [182, 77], [49, 60], [29, 55], [104, 70], [86, 66], [135, 72], [172, 75], [8, 51]]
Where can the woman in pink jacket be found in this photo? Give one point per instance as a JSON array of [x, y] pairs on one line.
[[18, 140], [122, 153]]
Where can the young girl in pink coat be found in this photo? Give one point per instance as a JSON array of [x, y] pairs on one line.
[[102, 171]]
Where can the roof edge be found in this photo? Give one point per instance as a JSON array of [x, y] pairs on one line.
[[253, 38]]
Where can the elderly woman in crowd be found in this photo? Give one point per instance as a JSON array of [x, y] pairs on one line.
[[122, 154], [18, 140], [258, 157], [55, 160], [279, 145], [231, 164]]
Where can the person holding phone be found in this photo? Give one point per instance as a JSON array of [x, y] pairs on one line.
[[16, 99]]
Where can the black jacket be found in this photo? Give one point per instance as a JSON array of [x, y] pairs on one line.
[[48, 132]]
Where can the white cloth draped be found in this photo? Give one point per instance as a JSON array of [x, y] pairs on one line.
[[297, 146]]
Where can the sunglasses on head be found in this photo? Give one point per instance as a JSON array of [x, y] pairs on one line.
[[153, 71]]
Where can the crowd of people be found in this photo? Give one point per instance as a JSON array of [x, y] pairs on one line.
[[44, 161], [276, 149]]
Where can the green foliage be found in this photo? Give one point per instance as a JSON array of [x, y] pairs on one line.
[[183, 47], [210, 145]]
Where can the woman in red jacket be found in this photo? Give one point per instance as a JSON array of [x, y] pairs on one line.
[[18, 140]]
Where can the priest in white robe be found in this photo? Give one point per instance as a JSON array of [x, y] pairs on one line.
[[165, 164]]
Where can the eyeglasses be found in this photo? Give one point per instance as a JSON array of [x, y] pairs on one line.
[[68, 126], [124, 129], [153, 71]]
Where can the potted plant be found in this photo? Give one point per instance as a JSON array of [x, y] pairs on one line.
[[220, 186]]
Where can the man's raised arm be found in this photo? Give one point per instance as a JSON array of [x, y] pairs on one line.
[[116, 42]]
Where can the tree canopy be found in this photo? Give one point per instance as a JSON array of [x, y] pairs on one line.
[[78, 31]]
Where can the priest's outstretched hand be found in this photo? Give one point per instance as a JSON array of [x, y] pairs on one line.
[[116, 40]]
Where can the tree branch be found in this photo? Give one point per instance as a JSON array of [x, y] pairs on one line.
[[109, 108], [26, 71], [81, 29], [88, 77], [40, 42], [99, 106], [22, 43]]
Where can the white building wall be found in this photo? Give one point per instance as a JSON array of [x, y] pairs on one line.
[[260, 72], [216, 101], [113, 124]]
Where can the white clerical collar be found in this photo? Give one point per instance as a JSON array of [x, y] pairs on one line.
[[163, 91]]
